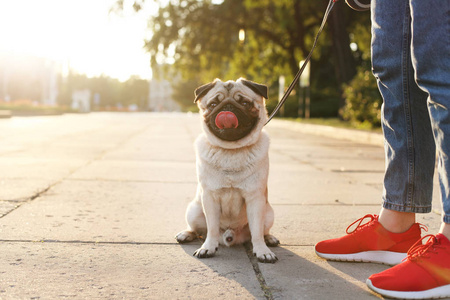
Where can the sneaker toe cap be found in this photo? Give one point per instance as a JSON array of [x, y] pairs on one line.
[[403, 277], [335, 246]]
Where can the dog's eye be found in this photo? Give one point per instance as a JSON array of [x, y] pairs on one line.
[[212, 104], [243, 101]]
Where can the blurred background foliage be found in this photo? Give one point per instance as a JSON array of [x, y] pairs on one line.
[[199, 41], [112, 93], [196, 41]]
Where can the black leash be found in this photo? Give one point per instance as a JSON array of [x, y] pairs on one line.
[[308, 58]]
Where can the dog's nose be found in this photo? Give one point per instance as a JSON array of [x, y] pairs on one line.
[[229, 239]]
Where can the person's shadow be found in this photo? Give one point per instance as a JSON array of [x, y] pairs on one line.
[[298, 274]]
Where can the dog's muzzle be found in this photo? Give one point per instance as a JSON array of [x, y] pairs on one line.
[[231, 121]]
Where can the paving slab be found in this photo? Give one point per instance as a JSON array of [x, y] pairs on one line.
[[103, 211], [50, 169], [90, 204], [121, 271], [306, 225], [301, 185], [22, 189], [156, 148], [300, 274], [135, 170]]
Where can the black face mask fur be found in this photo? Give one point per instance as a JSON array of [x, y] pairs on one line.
[[243, 115], [247, 118]]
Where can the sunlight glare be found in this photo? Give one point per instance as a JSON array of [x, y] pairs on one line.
[[78, 33]]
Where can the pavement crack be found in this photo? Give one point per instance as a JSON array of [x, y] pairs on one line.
[[19, 202], [259, 276], [38, 194]]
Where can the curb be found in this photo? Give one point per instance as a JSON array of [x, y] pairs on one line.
[[354, 135], [4, 114]]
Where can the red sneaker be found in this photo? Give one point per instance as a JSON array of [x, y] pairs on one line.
[[370, 242], [425, 274]]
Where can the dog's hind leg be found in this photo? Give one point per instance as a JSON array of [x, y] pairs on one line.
[[186, 236], [269, 239], [196, 223]]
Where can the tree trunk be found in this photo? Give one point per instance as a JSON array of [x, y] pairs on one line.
[[345, 65]]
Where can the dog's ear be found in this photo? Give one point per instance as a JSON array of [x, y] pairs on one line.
[[202, 90], [260, 89]]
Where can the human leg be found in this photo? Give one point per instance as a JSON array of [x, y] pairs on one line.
[[409, 144], [431, 60], [425, 273], [396, 221], [445, 230]]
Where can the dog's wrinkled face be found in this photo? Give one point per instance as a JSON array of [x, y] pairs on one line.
[[231, 110]]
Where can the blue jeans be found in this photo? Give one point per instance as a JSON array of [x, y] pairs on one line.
[[411, 61]]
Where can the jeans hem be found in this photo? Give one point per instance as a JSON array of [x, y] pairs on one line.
[[446, 219], [407, 208]]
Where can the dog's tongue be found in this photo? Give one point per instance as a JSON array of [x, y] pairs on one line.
[[226, 119]]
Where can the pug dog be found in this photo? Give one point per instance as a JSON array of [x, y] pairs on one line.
[[231, 205]]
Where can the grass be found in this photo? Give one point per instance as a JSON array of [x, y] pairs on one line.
[[28, 108], [335, 122]]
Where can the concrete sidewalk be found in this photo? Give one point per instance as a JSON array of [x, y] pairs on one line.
[[90, 205]]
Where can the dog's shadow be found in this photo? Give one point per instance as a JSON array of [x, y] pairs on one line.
[[296, 275]]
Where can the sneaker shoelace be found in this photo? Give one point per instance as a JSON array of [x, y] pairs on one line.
[[360, 224], [423, 250]]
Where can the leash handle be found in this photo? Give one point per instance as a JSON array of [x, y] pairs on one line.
[[308, 58]]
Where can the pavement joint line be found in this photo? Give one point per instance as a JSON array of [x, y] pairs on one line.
[[296, 159], [44, 241], [334, 203], [357, 171], [38, 194], [18, 200], [132, 180], [267, 290], [89, 162], [19, 203], [296, 245]]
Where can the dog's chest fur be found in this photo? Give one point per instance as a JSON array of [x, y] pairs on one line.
[[219, 168], [226, 173]]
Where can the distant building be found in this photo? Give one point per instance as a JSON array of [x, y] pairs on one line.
[[50, 76], [25, 77], [161, 91], [160, 96], [81, 100]]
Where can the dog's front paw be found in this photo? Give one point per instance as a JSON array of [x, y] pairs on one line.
[[271, 241], [264, 254], [207, 250], [185, 237]]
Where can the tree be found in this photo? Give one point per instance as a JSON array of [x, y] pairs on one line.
[[135, 91], [111, 91], [202, 38]]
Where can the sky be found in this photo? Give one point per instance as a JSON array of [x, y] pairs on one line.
[[81, 34]]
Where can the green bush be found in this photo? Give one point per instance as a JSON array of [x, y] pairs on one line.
[[363, 101]]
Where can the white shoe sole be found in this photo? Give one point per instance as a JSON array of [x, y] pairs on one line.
[[380, 257], [436, 293]]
